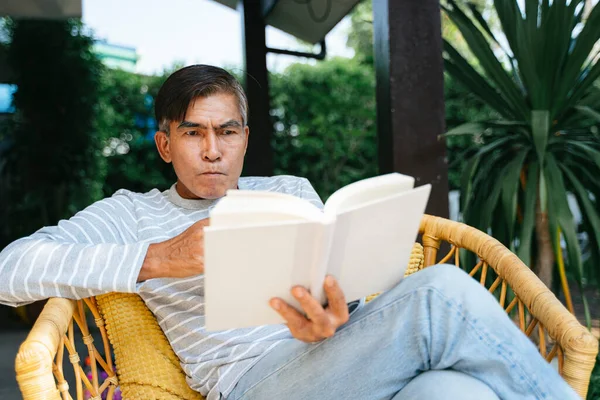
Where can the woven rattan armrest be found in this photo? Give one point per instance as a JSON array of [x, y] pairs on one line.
[[34, 362], [577, 344]]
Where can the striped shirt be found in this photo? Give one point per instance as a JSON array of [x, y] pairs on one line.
[[101, 249]]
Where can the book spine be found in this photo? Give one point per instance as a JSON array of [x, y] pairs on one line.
[[323, 242]]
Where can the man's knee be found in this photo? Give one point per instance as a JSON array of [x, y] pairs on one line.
[[448, 279], [447, 385], [445, 279]]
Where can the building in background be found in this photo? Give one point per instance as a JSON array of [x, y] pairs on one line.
[[111, 55], [116, 56], [6, 93], [6, 88]]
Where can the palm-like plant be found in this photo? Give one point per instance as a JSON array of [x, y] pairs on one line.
[[544, 144]]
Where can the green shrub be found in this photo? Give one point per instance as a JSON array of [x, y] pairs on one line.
[[53, 166]]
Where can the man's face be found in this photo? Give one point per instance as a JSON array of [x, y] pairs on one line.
[[207, 149]]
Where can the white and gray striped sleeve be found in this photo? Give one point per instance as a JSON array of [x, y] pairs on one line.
[[308, 192], [94, 252]]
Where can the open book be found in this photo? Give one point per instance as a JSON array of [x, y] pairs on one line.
[[261, 244]]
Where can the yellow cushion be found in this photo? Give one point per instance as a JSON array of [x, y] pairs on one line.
[[146, 364]]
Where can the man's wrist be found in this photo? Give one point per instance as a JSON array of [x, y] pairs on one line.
[[151, 265]]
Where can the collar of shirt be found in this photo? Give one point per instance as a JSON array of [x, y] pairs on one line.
[[191, 204]]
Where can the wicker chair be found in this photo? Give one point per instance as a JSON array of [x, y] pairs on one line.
[[148, 368]]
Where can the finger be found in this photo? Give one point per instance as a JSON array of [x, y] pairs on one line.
[[204, 222], [337, 301], [323, 323], [299, 326], [291, 316], [313, 309]]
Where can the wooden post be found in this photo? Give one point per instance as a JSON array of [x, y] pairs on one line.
[[259, 157], [410, 94]]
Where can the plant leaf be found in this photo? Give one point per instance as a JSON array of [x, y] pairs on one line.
[[460, 69], [473, 128], [479, 18], [493, 68], [581, 88], [491, 200], [571, 70], [592, 154], [510, 188], [531, 194], [469, 128], [560, 211], [589, 112], [540, 127], [586, 307], [584, 200], [467, 180]]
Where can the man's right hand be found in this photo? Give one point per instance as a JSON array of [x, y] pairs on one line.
[[178, 257]]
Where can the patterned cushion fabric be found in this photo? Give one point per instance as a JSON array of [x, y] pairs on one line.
[[146, 365]]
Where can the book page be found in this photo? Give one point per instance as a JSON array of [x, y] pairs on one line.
[[367, 190], [248, 208], [246, 267], [372, 243]]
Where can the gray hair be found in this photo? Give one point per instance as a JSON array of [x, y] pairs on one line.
[[190, 83]]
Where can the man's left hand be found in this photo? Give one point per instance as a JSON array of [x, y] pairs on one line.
[[319, 323]]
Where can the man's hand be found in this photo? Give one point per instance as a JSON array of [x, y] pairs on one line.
[[178, 257], [321, 322]]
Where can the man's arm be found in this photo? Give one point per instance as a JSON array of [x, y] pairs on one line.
[[178, 257], [94, 252]]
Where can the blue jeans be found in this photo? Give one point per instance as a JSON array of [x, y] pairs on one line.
[[437, 319]]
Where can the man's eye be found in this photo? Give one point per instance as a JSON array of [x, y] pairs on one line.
[[228, 132], [191, 133]]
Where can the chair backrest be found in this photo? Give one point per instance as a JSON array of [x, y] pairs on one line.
[[148, 368]]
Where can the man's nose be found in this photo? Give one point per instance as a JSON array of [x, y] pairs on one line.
[[210, 148]]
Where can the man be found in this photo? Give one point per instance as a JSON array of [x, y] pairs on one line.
[[152, 244]]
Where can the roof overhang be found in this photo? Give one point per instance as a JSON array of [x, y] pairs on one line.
[[47, 9], [308, 20]]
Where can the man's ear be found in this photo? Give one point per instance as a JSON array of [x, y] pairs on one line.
[[247, 133], [163, 142]]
